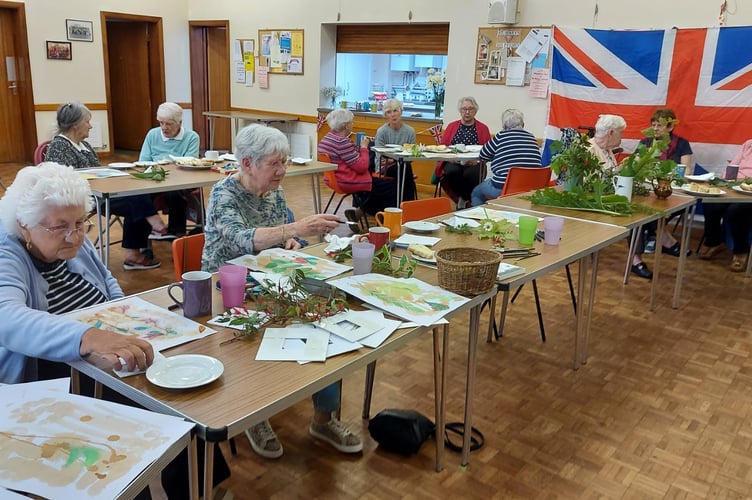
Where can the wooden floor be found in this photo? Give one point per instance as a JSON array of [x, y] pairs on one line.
[[663, 408]]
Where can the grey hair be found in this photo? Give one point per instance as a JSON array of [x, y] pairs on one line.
[[512, 118], [392, 104], [256, 142], [38, 191], [609, 122], [339, 118], [468, 98], [71, 114], [170, 111]]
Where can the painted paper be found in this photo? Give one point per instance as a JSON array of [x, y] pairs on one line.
[[286, 262]]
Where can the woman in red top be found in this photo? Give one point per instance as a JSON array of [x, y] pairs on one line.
[[459, 179]]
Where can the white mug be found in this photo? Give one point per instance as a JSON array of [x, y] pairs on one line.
[[623, 186], [211, 155]]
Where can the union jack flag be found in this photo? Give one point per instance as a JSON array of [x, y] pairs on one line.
[[435, 132], [320, 121], [703, 74]]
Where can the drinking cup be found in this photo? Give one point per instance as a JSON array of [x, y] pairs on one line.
[[681, 170], [623, 186], [232, 279], [359, 138], [362, 257], [197, 294], [377, 235], [732, 171], [552, 226], [528, 225], [212, 155], [391, 218]]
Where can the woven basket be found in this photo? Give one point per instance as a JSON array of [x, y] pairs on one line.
[[466, 270]]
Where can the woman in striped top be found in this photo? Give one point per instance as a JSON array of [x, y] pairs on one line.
[[512, 147]]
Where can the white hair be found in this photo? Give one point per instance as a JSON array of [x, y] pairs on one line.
[[256, 142], [609, 122], [339, 118], [170, 111], [39, 190], [512, 118]]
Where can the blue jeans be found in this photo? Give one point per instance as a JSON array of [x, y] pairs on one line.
[[327, 399], [483, 192]]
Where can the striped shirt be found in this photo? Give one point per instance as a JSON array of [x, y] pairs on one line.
[[510, 148], [68, 291]]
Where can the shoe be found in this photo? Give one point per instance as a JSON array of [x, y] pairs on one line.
[[337, 435], [141, 264], [738, 263], [650, 246], [674, 250], [264, 441], [352, 220], [162, 236], [642, 271], [148, 253], [707, 253]]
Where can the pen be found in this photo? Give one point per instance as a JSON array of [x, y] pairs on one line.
[[533, 254]]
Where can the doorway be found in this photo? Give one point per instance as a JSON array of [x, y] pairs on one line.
[[210, 80], [134, 76], [17, 120]]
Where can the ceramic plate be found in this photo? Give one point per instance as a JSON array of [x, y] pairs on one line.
[[420, 226], [702, 177], [185, 371], [164, 161], [473, 147], [145, 163], [398, 146], [423, 259], [739, 188], [686, 189], [120, 165]]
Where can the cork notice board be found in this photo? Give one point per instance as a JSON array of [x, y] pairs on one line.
[[497, 47], [281, 51]]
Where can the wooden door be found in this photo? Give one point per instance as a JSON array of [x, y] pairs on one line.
[[210, 80], [19, 137]]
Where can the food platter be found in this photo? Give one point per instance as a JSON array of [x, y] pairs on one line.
[[687, 189], [423, 259], [739, 189], [420, 226], [185, 371]]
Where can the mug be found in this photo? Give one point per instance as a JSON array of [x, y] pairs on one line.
[[197, 294], [732, 172], [623, 186], [359, 138], [211, 155], [377, 235], [391, 218]]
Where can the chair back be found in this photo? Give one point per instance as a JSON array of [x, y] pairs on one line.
[[523, 179], [40, 151], [186, 254], [423, 209], [329, 178]]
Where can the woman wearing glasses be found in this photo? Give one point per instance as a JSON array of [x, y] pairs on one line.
[[459, 179]]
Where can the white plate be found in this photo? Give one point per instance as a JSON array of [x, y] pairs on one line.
[[420, 226], [701, 178], [144, 163], [164, 161], [194, 167], [423, 259], [300, 161], [739, 188], [473, 147], [185, 371], [686, 189], [399, 146], [121, 165], [184, 159]]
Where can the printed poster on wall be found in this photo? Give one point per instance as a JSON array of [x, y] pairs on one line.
[[510, 52]]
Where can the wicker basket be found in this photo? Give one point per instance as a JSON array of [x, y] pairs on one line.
[[467, 271]]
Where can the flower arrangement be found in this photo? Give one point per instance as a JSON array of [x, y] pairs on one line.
[[332, 93], [437, 81]]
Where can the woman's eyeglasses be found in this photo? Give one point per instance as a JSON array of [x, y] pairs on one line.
[[63, 231], [467, 110]]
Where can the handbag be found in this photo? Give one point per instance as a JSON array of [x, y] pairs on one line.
[[400, 431]]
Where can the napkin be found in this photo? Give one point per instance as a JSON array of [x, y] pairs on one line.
[[338, 242], [158, 356], [413, 239]]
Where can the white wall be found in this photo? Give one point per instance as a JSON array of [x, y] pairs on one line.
[[83, 78]]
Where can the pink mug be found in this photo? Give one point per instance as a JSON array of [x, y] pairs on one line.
[[377, 235]]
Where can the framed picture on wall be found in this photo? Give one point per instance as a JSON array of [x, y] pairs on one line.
[[79, 31], [59, 50]]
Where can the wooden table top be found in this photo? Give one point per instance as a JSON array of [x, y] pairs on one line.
[[177, 179]]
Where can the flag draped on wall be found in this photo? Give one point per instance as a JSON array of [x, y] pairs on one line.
[[703, 74]]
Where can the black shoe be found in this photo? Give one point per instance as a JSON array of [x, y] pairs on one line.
[[352, 220], [642, 271], [674, 250]]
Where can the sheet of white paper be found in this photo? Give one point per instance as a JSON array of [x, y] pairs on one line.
[[286, 262], [455, 221], [101, 173], [277, 346], [388, 328], [300, 146], [338, 346], [352, 325], [414, 239], [239, 72], [534, 42], [515, 72]]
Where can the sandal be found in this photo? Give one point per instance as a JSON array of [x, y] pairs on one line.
[[738, 263], [143, 262], [707, 253]]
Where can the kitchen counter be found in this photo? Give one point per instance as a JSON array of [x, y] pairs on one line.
[[417, 112]]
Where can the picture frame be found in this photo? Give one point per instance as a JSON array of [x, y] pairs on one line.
[[79, 31], [59, 50]]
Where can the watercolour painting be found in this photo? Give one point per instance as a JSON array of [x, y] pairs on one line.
[[134, 316], [410, 299], [286, 262], [59, 445]]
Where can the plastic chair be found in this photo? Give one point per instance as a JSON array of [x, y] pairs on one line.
[[186, 254], [331, 180], [423, 209], [40, 152]]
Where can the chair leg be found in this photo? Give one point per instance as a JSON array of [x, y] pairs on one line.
[[331, 198], [340, 202], [370, 375], [571, 289], [538, 308]]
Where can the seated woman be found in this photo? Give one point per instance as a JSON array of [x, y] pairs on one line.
[[459, 179], [738, 217], [372, 194], [69, 147], [247, 213], [513, 146], [394, 131]]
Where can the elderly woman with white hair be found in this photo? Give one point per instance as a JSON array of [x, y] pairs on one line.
[[247, 213], [608, 131], [513, 146], [169, 139], [50, 268]]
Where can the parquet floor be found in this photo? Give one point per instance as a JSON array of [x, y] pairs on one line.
[[662, 409]]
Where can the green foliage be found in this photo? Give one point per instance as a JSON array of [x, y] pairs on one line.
[[382, 264], [580, 166], [498, 231], [578, 199], [155, 173], [644, 164]]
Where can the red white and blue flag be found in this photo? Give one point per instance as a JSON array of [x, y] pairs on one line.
[[703, 74]]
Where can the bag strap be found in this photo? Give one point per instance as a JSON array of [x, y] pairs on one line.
[[477, 440]]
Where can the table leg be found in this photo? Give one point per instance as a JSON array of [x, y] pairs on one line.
[[589, 306], [581, 314], [193, 469], [503, 314], [472, 348], [208, 469], [491, 312], [316, 193], [683, 256], [106, 243], [657, 263], [439, 383], [400, 182], [632, 244]]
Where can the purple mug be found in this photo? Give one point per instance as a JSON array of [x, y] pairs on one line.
[[197, 294]]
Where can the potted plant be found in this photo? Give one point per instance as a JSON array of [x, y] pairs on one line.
[[645, 165]]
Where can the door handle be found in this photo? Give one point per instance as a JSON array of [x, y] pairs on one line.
[[14, 87]]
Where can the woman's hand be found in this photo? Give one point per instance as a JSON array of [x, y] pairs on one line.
[[316, 225], [109, 350], [365, 142]]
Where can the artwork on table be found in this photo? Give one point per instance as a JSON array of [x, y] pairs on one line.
[[410, 299], [352, 325], [135, 316], [59, 445], [59, 50], [80, 31], [286, 262], [480, 213]]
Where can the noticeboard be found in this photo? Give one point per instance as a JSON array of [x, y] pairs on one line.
[[497, 54], [281, 51]]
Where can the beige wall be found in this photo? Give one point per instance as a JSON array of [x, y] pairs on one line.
[[83, 79]]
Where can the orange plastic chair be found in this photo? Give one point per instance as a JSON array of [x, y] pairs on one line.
[[331, 180], [523, 179], [40, 151], [186, 254], [423, 209]]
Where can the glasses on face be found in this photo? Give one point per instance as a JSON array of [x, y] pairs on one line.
[[63, 231], [467, 110], [279, 164]]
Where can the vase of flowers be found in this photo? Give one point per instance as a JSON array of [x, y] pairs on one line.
[[332, 93], [437, 81]]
